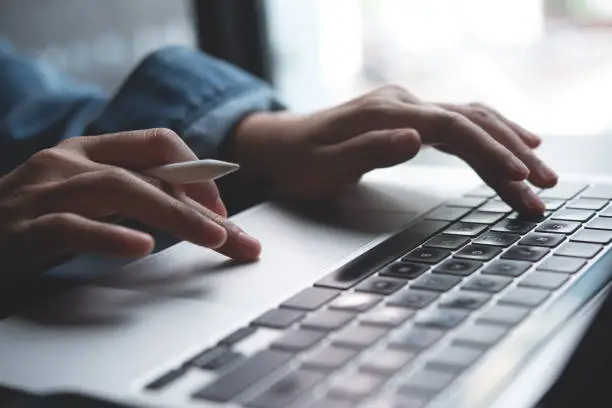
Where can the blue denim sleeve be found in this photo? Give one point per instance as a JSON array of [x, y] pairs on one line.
[[196, 95]]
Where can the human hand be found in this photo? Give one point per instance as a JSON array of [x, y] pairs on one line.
[[56, 203], [317, 155]]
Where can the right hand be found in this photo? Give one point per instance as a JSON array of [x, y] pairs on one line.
[[55, 204], [319, 154]]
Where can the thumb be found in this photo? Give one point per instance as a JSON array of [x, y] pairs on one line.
[[374, 149]]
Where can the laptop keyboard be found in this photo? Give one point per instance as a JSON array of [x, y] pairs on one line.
[[407, 323]]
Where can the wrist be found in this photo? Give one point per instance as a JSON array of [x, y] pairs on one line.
[[259, 141]]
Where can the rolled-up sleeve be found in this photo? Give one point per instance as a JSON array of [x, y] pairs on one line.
[[198, 96]]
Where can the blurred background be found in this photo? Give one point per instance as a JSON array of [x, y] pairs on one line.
[[544, 63]]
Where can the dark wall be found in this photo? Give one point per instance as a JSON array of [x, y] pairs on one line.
[[95, 40]]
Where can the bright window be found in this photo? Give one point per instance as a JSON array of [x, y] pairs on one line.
[[545, 63]]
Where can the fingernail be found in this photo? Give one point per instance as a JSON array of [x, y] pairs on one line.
[[248, 241], [220, 206], [519, 168], [547, 173]]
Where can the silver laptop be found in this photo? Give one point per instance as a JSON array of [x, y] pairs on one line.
[[418, 288]]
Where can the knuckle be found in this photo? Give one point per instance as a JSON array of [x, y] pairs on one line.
[[393, 89], [481, 112], [48, 157], [374, 107], [450, 120], [161, 139], [58, 222], [114, 178]]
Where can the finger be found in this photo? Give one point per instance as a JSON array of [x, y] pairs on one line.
[[540, 174], [65, 233], [141, 149], [207, 194], [516, 194], [372, 150], [118, 192], [531, 139], [239, 245], [438, 126]]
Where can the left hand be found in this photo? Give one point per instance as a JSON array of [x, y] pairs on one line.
[[317, 155]]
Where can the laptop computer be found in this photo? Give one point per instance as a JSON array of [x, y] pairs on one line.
[[419, 288]]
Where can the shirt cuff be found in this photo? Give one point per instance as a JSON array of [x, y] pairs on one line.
[[208, 134]]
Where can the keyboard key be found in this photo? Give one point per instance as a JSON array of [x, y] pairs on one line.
[[398, 401], [465, 229], [562, 264], [311, 298], [381, 285], [588, 204], [327, 320], [593, 236], [460, 267], [482, 217], [329, 358], [427, 255], [166, 379], [355, 386], [524, 297], [466, 300], [331, 403], [530, 218], [387, 361], [359, 302], [496, 206], [298, 340], [506, 267], [573, 215], [552, 204], [455, 358], [359, 268], [386, 316], [437, 283], [233, 382], [215, 358], [482, 191], [578, 250], [607, 212], [278, 318], [427, 382], [563, 191], [413, 298], [525, 253], [404, 270], [542, 239], [442, 318], [467, 202], [544, 280], [447, 241], [598, 191], [237, 336], [447, 213], [416, 338], [478, 252], [479, 336], [504, 315], [558, 226], [602, 223], [287, 390], [359, 336], [494, 238], [514, 226], [490, 284]]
